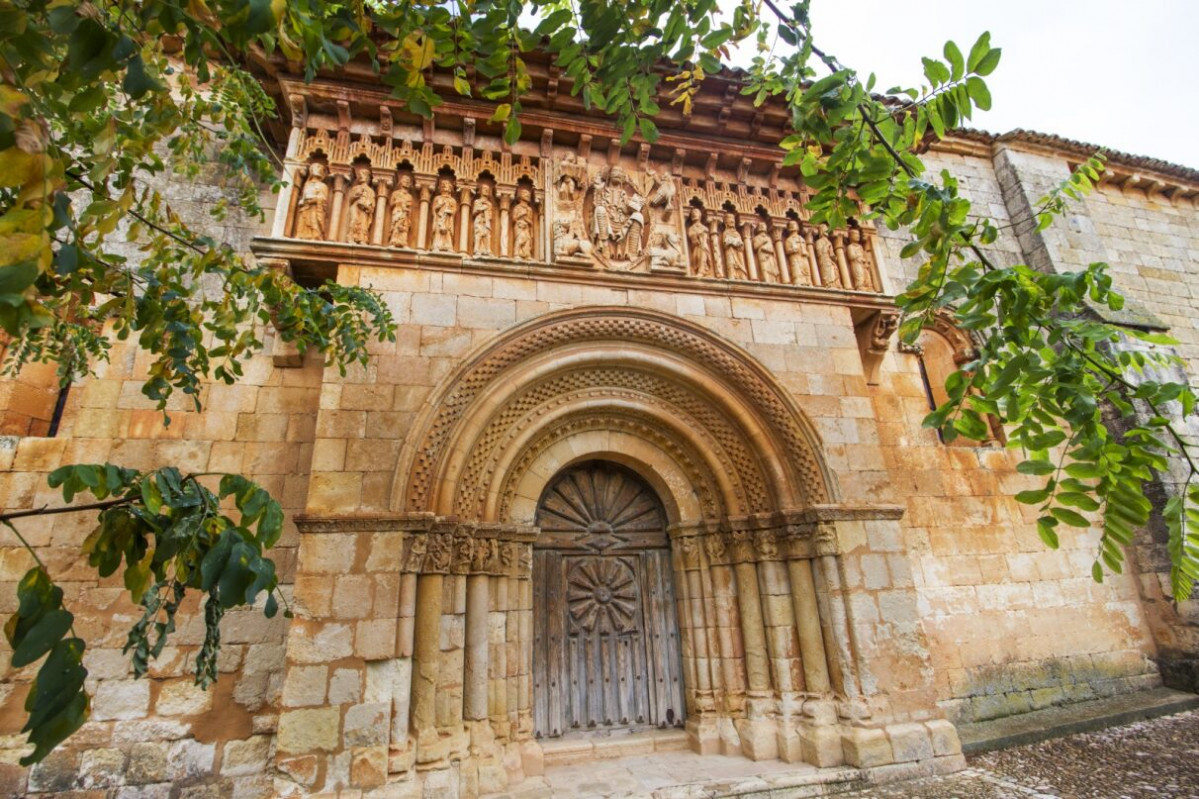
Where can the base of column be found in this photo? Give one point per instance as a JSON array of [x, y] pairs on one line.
[[703, 735]]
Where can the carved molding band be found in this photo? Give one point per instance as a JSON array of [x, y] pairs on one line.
[[370, 182]]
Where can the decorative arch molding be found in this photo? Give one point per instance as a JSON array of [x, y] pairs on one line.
[[461, 434], [673, 406], [645, 432]]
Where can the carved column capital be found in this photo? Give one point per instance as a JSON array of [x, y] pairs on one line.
[[824, 539]]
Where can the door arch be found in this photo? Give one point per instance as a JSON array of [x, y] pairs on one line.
[[606, 648]]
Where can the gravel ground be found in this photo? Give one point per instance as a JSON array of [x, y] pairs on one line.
[[1157, 759]]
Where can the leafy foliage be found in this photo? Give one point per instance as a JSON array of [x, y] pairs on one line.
[[100, 102], [171, 534]]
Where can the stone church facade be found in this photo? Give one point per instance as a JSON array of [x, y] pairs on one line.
[[644, 469]]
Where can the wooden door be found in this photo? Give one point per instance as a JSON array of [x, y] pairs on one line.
[[606, 642]]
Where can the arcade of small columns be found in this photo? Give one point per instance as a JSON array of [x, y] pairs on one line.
[[775, 663], [365, 182]]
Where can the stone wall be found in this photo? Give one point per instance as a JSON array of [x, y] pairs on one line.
[[955, 607]]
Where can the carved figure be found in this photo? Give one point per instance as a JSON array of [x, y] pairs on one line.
[[481, 212], [665, 246], [826, 260], [522, 224], [734, 250], [633, 227], [768, 265], [797, 255], [416, 553], [663, 191], [568, 232], [859, 263], [401, 212], [612, 201], [362, 207], [701, 246], [445, 208], [312, 211], [440, 552]]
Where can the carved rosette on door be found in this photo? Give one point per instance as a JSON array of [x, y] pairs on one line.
[[606, 642]]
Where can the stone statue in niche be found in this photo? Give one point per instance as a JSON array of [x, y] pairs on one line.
[[797, 255], [665, 247], [401, 212], [768, 265], [569, 233], [826, 260], [634, 227], [859, 263], [362, 207], [445, 208], [701, 247], [734, 250], [481, 213], [312, 211], [522, 224]]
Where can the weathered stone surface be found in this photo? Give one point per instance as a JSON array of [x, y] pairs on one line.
[[866, 748], [251, 756], [147, 763], [121, 699], [303, 731]]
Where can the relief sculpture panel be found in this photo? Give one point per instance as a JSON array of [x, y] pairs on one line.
[[369, 184]]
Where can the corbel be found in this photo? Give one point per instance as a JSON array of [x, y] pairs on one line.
[[299, 110], [343, 115], [385, 122], [547, 142], [551, 86], [743, 170], [775, 169], [874, 337], [643, 157], [468, 132], [584, 146], [710, 167], [676, 164], [613, 152], [427, 128]]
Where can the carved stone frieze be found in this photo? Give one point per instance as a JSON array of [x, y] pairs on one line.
[[464, 550], [376, 183]]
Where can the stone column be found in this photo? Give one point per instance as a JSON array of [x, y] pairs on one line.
[[713, 220], [285, 210], [426, 657], [422, 231], [340, 176], [464, 200], [776, 233], [807, 622], [474, 689], [758, 741], [751, 259], [382, 197], [834, 613], [842, 263], [504, 233], [497, 659], [781, 640], [809, 239]]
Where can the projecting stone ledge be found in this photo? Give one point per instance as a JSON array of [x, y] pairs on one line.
[[1054, 722]]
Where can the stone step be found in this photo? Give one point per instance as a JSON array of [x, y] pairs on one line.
[[1054, 722], [582, 747]]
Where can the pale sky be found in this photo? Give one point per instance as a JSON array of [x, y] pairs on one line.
[[1119, 74]]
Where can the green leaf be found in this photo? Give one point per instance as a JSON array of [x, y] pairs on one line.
[[979, 93], [978, 51], [954, 56], [137, 81], [1069, 517], [1036, 467], [988, 62], [48, 631], [1034, 497], [1045, 530]]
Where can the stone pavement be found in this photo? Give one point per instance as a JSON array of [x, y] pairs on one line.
[[1156, 759]]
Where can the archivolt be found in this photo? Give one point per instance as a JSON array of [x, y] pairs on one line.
[[482, 409]]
